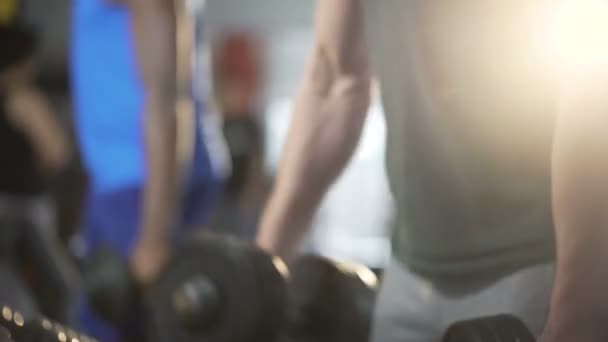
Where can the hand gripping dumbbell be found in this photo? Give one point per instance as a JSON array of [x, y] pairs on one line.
[[242, 294], [214, 289], [18, 327], [499, 328], [226, 290]]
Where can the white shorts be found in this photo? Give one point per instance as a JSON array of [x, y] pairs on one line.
[[415, 309]]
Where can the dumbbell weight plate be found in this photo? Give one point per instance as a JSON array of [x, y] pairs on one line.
[[510, 329], [499, 328], [327, 302], [244, 309], [523, 333], [110, 287], [476, 330], [272, 292]]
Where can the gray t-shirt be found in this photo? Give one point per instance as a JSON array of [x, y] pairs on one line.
[[470, 106]]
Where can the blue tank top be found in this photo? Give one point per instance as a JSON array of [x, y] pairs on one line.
[[108, 100], [108, 95]]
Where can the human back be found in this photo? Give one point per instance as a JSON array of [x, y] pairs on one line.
[[470, 107]]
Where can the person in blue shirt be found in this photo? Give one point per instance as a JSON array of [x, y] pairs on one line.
[[123, 57]]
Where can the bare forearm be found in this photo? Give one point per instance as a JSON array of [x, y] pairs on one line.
[[154, 28], [185, 37], [160, 191], [185, 106], [579, 310], [329, 115], [323, 135]]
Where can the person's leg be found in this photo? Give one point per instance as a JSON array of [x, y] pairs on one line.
[[406, 308], [110, 219], [524, 294]]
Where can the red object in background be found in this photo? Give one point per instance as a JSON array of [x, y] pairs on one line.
[[238, 73]]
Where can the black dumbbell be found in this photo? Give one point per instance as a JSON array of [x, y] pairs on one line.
[[17, 327], [329, 301], [226, 290], [213, 289], [219, 289], [499, 328]]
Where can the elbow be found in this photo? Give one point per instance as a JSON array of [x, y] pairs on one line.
[[352, 80], [346, 84], [356, 89]]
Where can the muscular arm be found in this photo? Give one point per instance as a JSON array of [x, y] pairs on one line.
[[579, 310], [328, 118], [153, 24], [579, 307]]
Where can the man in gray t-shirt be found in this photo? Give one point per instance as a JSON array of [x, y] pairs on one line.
[[473, 103]]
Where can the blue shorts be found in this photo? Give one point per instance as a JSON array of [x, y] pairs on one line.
[[113, 218]]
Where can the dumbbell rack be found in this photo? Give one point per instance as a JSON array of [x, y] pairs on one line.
[[37, 329]]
